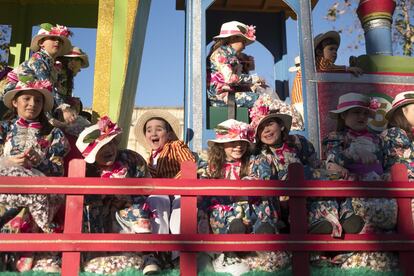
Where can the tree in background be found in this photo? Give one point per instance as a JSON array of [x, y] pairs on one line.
[[402, 29]]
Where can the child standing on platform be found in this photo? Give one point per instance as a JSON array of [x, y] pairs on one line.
[[326, 48]]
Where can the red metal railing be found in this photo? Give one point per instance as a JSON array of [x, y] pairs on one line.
[[72, 242]]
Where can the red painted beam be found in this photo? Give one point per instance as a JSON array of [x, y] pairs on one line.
[[203, 242]]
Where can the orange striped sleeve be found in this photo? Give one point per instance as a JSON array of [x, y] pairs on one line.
[[296, 96], [325, 65]]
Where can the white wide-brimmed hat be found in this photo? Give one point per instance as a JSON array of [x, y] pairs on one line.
[[29, 82], [352, 100], [93, 138], [78, 53], [297, 65], [139, 126], [232, 130], [401, 99], [236, 28], [48, 30], [331, 34]]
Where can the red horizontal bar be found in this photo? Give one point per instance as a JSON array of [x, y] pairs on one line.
[[72, 186], [199, 242]]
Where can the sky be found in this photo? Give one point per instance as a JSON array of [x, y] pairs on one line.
[[162, 67]]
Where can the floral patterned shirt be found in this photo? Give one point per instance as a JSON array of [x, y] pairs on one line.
[[16, 137], [224, 73], [273, 163], [40, 64], [342, 148], [398, 148], [128, 164]]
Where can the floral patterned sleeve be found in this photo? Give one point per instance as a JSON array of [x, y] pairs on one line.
[[306, 151], [136, 163], [4, 129], [260, 167], [40, 66], [334, 149], [58, 147], [397, 148], [226, 61]]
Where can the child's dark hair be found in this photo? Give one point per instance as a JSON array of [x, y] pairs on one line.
[[259, 144], [217, 159], [168, 127], [323, 44], [12, 114], [399, 120]]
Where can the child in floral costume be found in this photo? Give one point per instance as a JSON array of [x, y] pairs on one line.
[[225, 72], [228, 158], [99, 147], [30, 146], [68, 107], [353, 153], [49, 43]]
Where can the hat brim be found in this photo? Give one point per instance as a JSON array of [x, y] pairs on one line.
[[293, 69], [331, 34], [84, 58], [334, 114], [390, 112], [66, 47], [286, 119], [143, 119], [91, 158], [226, 140], [47, 96], [248, 41]]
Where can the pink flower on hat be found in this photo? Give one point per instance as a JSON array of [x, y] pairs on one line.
[[58, 30], [232, 130], [107, 127], [251, 31], [374, 104], [36, 84]]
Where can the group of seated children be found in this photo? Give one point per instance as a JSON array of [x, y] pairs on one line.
[[41, 111]]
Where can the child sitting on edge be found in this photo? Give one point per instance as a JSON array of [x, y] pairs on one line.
[[228, 158], [353, 152], [326, 48], [158, 130], [99, 146], [29, 147], [225, 71]]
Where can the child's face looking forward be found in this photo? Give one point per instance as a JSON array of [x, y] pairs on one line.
[[28, 104], [52, 45], [156, 134], [356, 118], [330, 52], [107, 154], [235, 150], [271, 134]]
